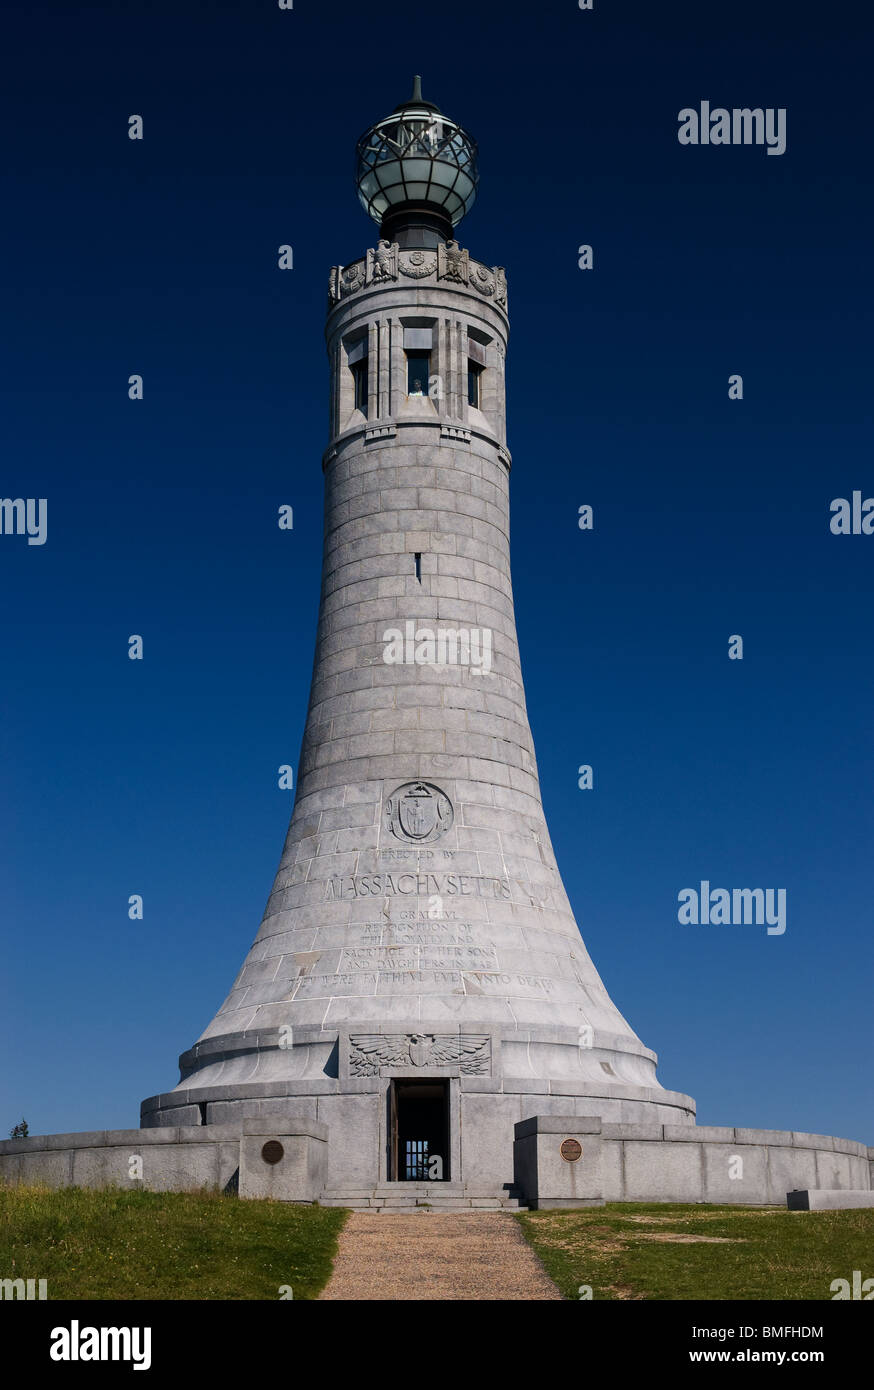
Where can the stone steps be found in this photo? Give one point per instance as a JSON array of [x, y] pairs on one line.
[[399, 1204], [411, 1196]]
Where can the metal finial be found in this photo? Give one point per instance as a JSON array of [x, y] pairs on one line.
[[417, 89]]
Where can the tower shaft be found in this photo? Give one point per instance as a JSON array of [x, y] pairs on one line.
[[418, 926]]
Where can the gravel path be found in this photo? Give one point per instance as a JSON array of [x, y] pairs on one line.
[[436, 1255]]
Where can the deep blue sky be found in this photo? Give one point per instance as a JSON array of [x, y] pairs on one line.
[[711, 517]]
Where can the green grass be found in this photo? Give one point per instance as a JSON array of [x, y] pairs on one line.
[[166, 1245], [768, 1252]]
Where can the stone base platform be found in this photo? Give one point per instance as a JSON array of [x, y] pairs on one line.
[[621, 1163]]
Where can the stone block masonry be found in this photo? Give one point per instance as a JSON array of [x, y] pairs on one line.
[[618, 1163]]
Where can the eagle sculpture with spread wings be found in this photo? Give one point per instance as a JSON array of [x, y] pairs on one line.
[[371, 1051]]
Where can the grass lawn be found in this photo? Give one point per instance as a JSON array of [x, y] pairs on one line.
[[165, 1245], [643, 1250]]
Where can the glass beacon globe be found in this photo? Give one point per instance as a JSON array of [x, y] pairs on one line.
[[416, 165]]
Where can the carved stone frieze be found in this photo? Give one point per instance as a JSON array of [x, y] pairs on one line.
[[387, 263], [453, 263], [382, 263], [417, 264], [381, 1054], [351, 279], [481, 278]]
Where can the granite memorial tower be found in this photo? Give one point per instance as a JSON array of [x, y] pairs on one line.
[[418, 984]]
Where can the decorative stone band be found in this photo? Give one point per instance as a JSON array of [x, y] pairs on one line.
[[387, 264], [380, 430], [226, 1046], [187, 1106], [218, 1073]]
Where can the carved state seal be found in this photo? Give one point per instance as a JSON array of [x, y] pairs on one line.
[[418, 813]]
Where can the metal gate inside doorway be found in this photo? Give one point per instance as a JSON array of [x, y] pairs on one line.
[[419, 1131]]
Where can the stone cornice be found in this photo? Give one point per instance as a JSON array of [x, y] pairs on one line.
[[387, 266], [456, 431]]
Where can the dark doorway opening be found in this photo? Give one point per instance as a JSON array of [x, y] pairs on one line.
[[420, 1131]]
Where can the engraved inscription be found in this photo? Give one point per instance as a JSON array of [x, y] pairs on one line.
[[418, 956], [444, 885]]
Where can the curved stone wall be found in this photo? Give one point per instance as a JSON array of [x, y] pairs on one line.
[[639, 1163]]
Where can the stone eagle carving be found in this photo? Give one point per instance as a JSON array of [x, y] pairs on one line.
[[368, 1052]]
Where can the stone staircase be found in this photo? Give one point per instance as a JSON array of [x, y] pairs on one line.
[[424, 1196]]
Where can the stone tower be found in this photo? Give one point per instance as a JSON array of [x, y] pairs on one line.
[[418, 983]]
